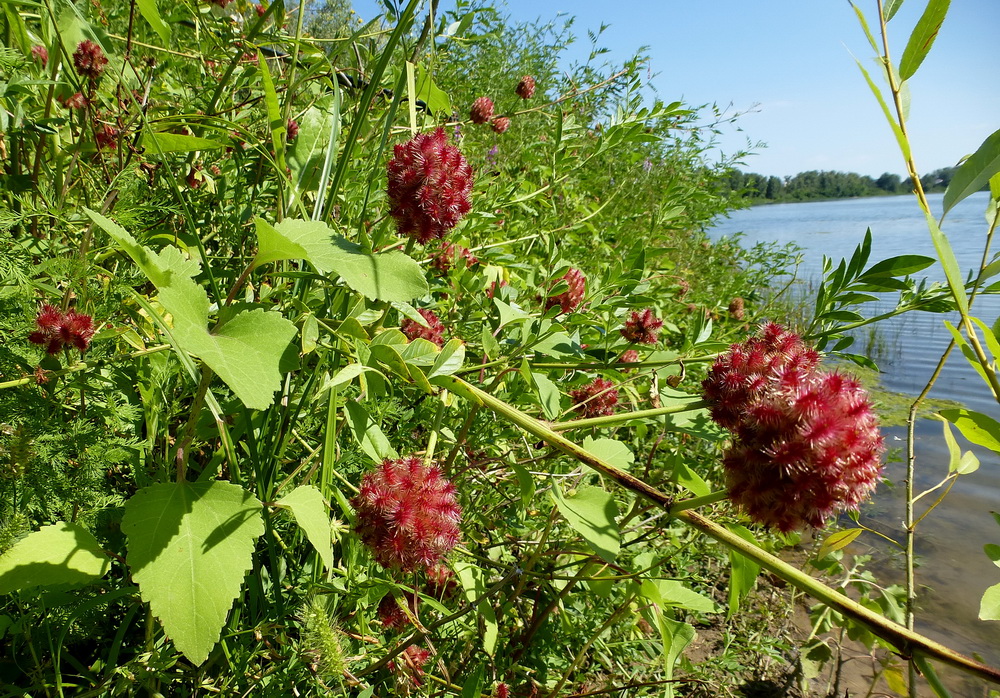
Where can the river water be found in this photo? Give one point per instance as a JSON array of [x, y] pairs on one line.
[[953, 570]]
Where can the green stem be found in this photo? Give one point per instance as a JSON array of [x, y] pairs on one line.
[[907, 642], [609, 420], [83, 365]]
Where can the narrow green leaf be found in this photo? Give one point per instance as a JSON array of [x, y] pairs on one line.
[[890, 8], [922, 37], [311, 514], [864, 26], [368, 434], [903, 265], [743, 571], [591, 512], [156, 142], [59, 554], [278, 126], [526, 482], [548, 394], [901, 140], [473, 686], [189, 547], [975, 173], [976, 427], [675, 636], [473, 581], [838, 540], [949, 263], [149, 12], [671, 592]]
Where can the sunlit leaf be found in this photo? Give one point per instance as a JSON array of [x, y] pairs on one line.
[[611, 451], [838, 540], [189, 547], [62, 553], [976, 427], [975, 173], [312, 515], [591, 512], [923, 37]]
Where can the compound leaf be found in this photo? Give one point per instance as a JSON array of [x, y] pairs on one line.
[[189, 547]]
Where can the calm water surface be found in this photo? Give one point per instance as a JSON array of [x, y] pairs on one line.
[[954, 571]]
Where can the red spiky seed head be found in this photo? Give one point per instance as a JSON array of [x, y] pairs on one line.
[[500, 124], [448, 255], [411, 664], [75, 101], [629, 357], [481, 111], [596, 399], [292, 130], [106, 136], [642, 327], [407, 514], [40, 54], [526, 87], [430, 184], [392, 615], [807, 443], [57, 329], [501, 690], [89, 60], [740, 376], [441, 581], [434, 332], [570, 299]]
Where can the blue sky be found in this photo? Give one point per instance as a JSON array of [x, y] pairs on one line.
[[790, 65]]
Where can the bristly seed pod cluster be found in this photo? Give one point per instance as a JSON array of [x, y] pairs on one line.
[[57, 329], [526, 87], [407, 514], [434, 332], [481, 111], [89, 60], [642, 327], [570, 299], [806, 441], [430, 184], [596, 399]]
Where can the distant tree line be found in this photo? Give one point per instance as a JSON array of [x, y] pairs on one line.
[[816, 184]]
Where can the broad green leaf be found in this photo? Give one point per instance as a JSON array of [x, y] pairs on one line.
[[473, 686], [671, 592], [903, 265], [347, 374], [838, 540], [473, 581], [591, 511], [976, 427], [156, 142], [152, 15], [307, 154], [388, 276], [450, 359], [744, 571], [610, 451], [975, 173], [311, 514], [368, 434], [689, 479], [435, 98], [675, 636], [189, 547], [922, 38], [249, 352], [989, 607], [58, 554]]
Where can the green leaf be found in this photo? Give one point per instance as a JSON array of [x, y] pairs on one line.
[[610, 451], [591, 511], [744, 571], [922, 37], [671, 592], [890, 8], [473, 686], [903, 265], [307, 154], [368, 434], [389, 276], [435, 98], [149, 12], [976, 427], [473, 581], [949, 263], [993, 552], [901, 140], [311, 514], [973, 174], [189, 547], [989, 607], [675, 636], [248, 352], [449, 360], [837, 540], [548, 394], [58, 554], [156, 143], [689, 479], [278, 125], [526, 482]]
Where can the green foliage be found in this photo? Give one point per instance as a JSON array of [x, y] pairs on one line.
[[60, 554]]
